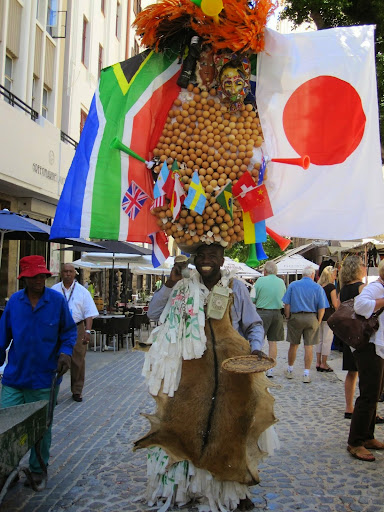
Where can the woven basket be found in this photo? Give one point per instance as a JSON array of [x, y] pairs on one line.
[[248, 364]]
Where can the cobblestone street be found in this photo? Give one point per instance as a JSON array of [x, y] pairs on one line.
[[93, 468]]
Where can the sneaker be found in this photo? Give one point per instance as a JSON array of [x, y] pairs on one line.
[[306, 379], [288, 374], [269, 373]]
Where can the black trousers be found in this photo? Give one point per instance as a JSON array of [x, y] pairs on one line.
[[371, 375]]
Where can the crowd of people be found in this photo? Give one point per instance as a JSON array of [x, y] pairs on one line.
[[204, 319], [307, 307]]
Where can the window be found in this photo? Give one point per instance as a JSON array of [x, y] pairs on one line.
[[118, 19], [101, 50], [44, 106], [83, 117], [85, 43], [136, 6], [51, 15], [102, 6], [8, 73]]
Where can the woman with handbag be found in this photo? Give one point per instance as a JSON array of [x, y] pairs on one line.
[[370, 365], [323, 348], [351, 275]]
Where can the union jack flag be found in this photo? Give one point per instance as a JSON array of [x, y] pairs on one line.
[[133, 200]]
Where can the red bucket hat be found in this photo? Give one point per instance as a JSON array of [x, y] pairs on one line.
[[31, 266]]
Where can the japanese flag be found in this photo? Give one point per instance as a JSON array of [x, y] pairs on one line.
[[316, 96]]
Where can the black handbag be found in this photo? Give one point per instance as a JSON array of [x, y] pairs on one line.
[[353, 329]]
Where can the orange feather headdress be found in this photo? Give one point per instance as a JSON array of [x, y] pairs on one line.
[[240, 27]]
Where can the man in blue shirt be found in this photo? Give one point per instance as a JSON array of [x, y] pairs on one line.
[[40, 333], [304, 306]]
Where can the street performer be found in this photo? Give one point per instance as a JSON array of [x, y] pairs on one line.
[[204, 441]]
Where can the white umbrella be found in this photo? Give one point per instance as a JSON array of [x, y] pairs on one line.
[[294, 264], [241, 269]]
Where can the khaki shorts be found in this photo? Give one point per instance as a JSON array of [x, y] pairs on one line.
[[303, 324], [272, 323]]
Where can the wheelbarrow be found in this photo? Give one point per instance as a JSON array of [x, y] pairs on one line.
[[21, 428]]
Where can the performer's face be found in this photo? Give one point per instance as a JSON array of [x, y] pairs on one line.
[[208, 260]]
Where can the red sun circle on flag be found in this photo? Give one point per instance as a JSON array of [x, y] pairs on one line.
[[324, 119]]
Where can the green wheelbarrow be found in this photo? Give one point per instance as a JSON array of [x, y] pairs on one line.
[[21, 428]]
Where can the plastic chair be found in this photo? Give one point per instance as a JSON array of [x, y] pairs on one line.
[[140, 319], [126, 329], [97, 327], [111, 329]]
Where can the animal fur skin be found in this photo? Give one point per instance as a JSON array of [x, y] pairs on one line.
[[215, 417]]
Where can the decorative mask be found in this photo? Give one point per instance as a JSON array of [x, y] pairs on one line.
[[205, 70], [233, 75]]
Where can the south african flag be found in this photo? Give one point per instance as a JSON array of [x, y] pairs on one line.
[[131, 103]]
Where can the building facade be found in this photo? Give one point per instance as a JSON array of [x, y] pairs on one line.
[[51, 54]]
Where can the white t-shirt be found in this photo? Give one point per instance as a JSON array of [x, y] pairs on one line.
[[80, 302], [365, 304]]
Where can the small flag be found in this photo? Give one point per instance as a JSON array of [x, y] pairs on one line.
[[244, 191], [158, 202], [169, 185], [161, 179], [225, 199], [133, 200], [195, 199], [261, 205], [253, 232], [159, 248], [262, 171], [178, 197]]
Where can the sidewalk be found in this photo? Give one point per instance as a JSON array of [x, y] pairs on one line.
[[93, 468]]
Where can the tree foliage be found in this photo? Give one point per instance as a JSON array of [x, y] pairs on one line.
[[341, 13]]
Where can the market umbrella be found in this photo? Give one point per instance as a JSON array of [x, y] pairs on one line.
[[14, 226], [110, 251]]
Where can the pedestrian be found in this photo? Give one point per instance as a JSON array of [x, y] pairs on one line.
[[370, 365], [323, 348], [83, 311], [207, 418], [351, 276], [38, 329], [304, 305], [268, 292], [91, 289]]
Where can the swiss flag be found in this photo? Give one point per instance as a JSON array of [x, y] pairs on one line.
[[252, 199], [316, 95]]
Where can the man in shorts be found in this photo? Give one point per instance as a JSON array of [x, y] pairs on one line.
[[304, 306], [269, 290]]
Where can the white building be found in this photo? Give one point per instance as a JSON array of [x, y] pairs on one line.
[[51, 53]]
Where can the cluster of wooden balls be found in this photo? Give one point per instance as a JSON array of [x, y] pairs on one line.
[[202, 134]]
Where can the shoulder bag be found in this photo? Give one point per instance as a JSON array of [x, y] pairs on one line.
[[353, 329]]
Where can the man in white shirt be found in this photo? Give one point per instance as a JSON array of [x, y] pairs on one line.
[[83, 311]]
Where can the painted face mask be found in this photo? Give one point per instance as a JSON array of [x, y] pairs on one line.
[[233, 79], [205, 70]]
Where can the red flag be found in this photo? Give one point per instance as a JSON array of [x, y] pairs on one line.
[[261, 206], [245, 192], [169, 185], [178, 197]]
